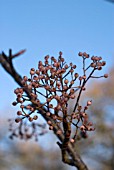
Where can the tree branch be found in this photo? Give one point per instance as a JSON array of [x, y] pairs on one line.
[[70, 157]]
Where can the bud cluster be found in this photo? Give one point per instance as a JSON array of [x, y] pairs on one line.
[[55, 83], [96, 63]]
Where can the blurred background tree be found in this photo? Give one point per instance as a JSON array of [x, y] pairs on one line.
[[27, 155]]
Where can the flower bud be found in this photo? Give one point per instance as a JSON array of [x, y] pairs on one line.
[[105, 75], [89, 103]]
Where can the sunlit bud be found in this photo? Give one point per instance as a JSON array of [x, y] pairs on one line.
[[25, 78], [19, 113], [62, 59], [31, 109], [22, 106], [66, 66], [83, 114], [80, 54], [50, 127], [32, 71], [50, 106], [72, 82], [17, 120], [96, 58], [19, 100], [37, 72], [71, 64], [82, 128], [99, 64], [71, 70], [76, 75], [58, 107], [80, 78], [28, 107], [52, 58], [90, 124], [57, 97], [49, 122], [72, 91], [47, 87], [84, 54], [23, 82], [105, 75], [40, 63], [19, 95], [93, 58], [48, 99], [63, 70], [46, 57], [99, 68], [74, 66], [30, 119], [16, 91], [21, 90], [85, 108], [87, 56], [89, 102], [65, 87], [90, 129], [55, 64], [103, 63], [35, 78], [66, 81], [99, 58], [84, 77], [72, 96], [66, 94], [58, 83], [53, 89], [74, 116], [60, 53], [35, 117], [93, 64]]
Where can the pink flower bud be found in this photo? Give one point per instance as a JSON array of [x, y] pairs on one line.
[[105, 75], [89, 103]]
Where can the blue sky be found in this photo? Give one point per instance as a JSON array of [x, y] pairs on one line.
[[49, 26]]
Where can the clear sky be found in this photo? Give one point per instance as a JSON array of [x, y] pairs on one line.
[[49, 26]]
